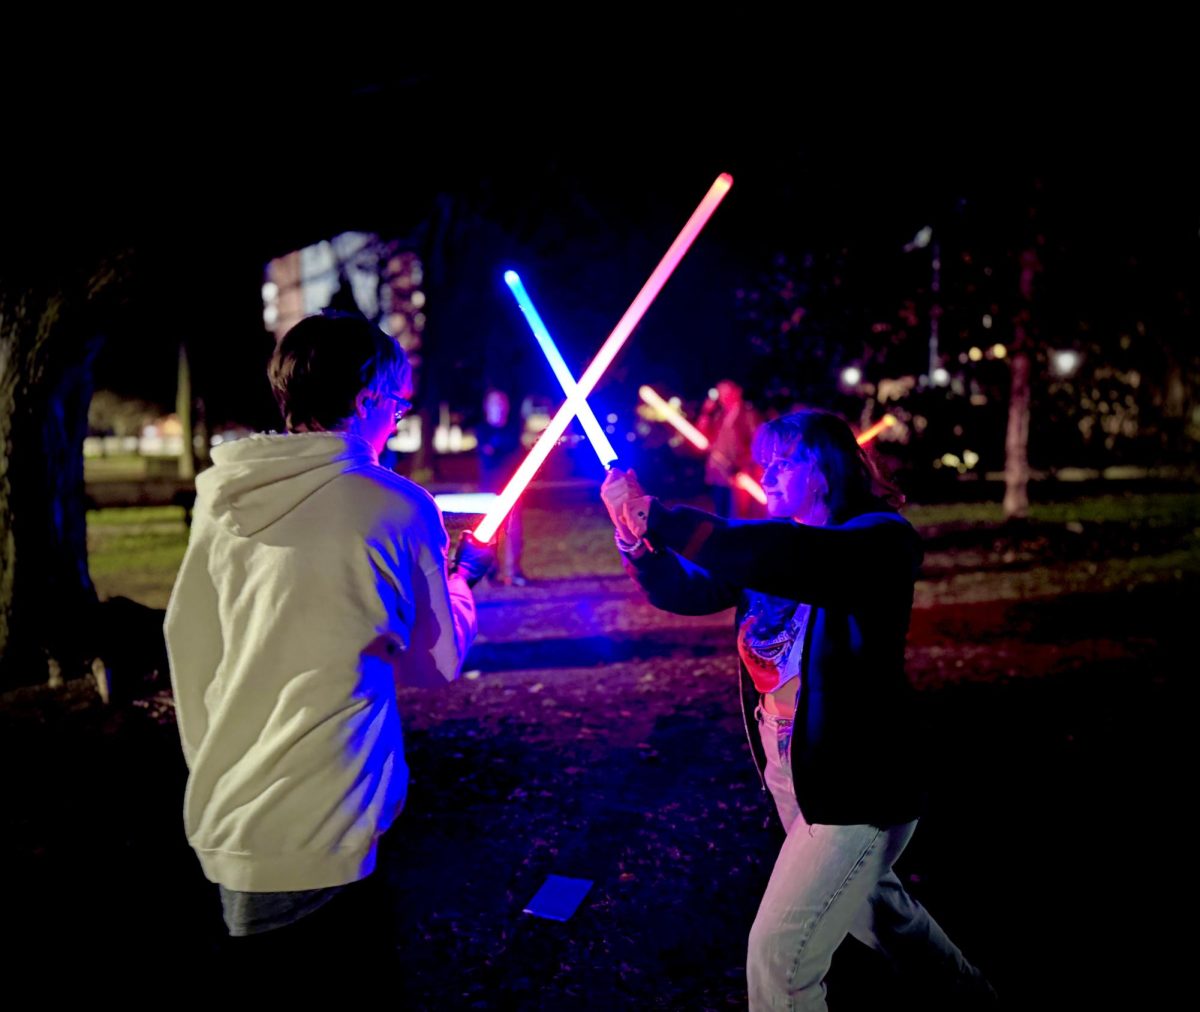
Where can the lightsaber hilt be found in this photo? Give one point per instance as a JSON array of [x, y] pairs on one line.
[[467, 539]]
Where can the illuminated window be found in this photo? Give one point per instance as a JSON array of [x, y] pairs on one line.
[[354, 270]]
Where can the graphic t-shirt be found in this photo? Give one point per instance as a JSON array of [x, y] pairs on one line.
[[771, 639]]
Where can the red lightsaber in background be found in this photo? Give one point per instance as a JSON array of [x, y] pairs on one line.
[[747, 484], [685, 428], [490, 524], [885, 422]]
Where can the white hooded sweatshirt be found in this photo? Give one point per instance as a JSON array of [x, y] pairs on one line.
[[314, 582]]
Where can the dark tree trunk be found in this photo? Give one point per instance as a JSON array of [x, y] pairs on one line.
[[183, 409], [1016, 442], [51, 328]]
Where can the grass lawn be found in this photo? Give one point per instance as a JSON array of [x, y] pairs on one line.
[[135, 552]]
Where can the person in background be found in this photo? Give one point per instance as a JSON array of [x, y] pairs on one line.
[[728, 421]]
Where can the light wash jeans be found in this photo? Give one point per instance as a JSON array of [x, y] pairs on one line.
[[831, 881]]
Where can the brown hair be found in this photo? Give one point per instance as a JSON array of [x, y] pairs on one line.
[[855, 484], [324, 362]]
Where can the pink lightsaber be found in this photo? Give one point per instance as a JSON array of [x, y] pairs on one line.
[[685, 428], [490, 524]]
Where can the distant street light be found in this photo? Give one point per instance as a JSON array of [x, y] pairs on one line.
[[1065, 362], [920, 240]]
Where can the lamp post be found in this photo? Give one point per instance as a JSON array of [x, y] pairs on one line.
[[922, 239]]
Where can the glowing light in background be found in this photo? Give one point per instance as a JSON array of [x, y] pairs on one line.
[[487, 529], [671, 415], [748, 484], [920, 240], [851, 376], [1065, 363], [886, 422], [465, 502]]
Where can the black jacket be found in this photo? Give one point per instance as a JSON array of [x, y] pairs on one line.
[[856, 746]]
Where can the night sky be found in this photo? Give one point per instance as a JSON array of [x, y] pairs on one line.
[[584, 168]]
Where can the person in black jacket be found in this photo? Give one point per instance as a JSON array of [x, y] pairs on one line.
[[823, 594]]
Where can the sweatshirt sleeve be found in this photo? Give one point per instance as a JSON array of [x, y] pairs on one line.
[[195, 644], [445, 624], [825, 566]]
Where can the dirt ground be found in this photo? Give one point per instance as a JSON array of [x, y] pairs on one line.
[[595, 737]]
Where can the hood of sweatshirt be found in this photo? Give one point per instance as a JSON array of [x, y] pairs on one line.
[[255, 481]]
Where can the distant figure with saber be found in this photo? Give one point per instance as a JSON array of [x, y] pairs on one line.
[[823, 594], [739, 479], [728, 421], [669, 414]]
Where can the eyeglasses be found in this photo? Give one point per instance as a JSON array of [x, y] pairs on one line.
[[403, 407]]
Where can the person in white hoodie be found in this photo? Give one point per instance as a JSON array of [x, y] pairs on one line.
[[315, 581]]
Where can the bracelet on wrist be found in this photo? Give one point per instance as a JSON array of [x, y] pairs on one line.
[[627, 546]]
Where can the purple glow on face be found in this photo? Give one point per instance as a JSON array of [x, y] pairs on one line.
[[487, 529], [794, 487]]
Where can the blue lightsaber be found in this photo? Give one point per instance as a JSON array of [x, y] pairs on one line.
[[587, 418]]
